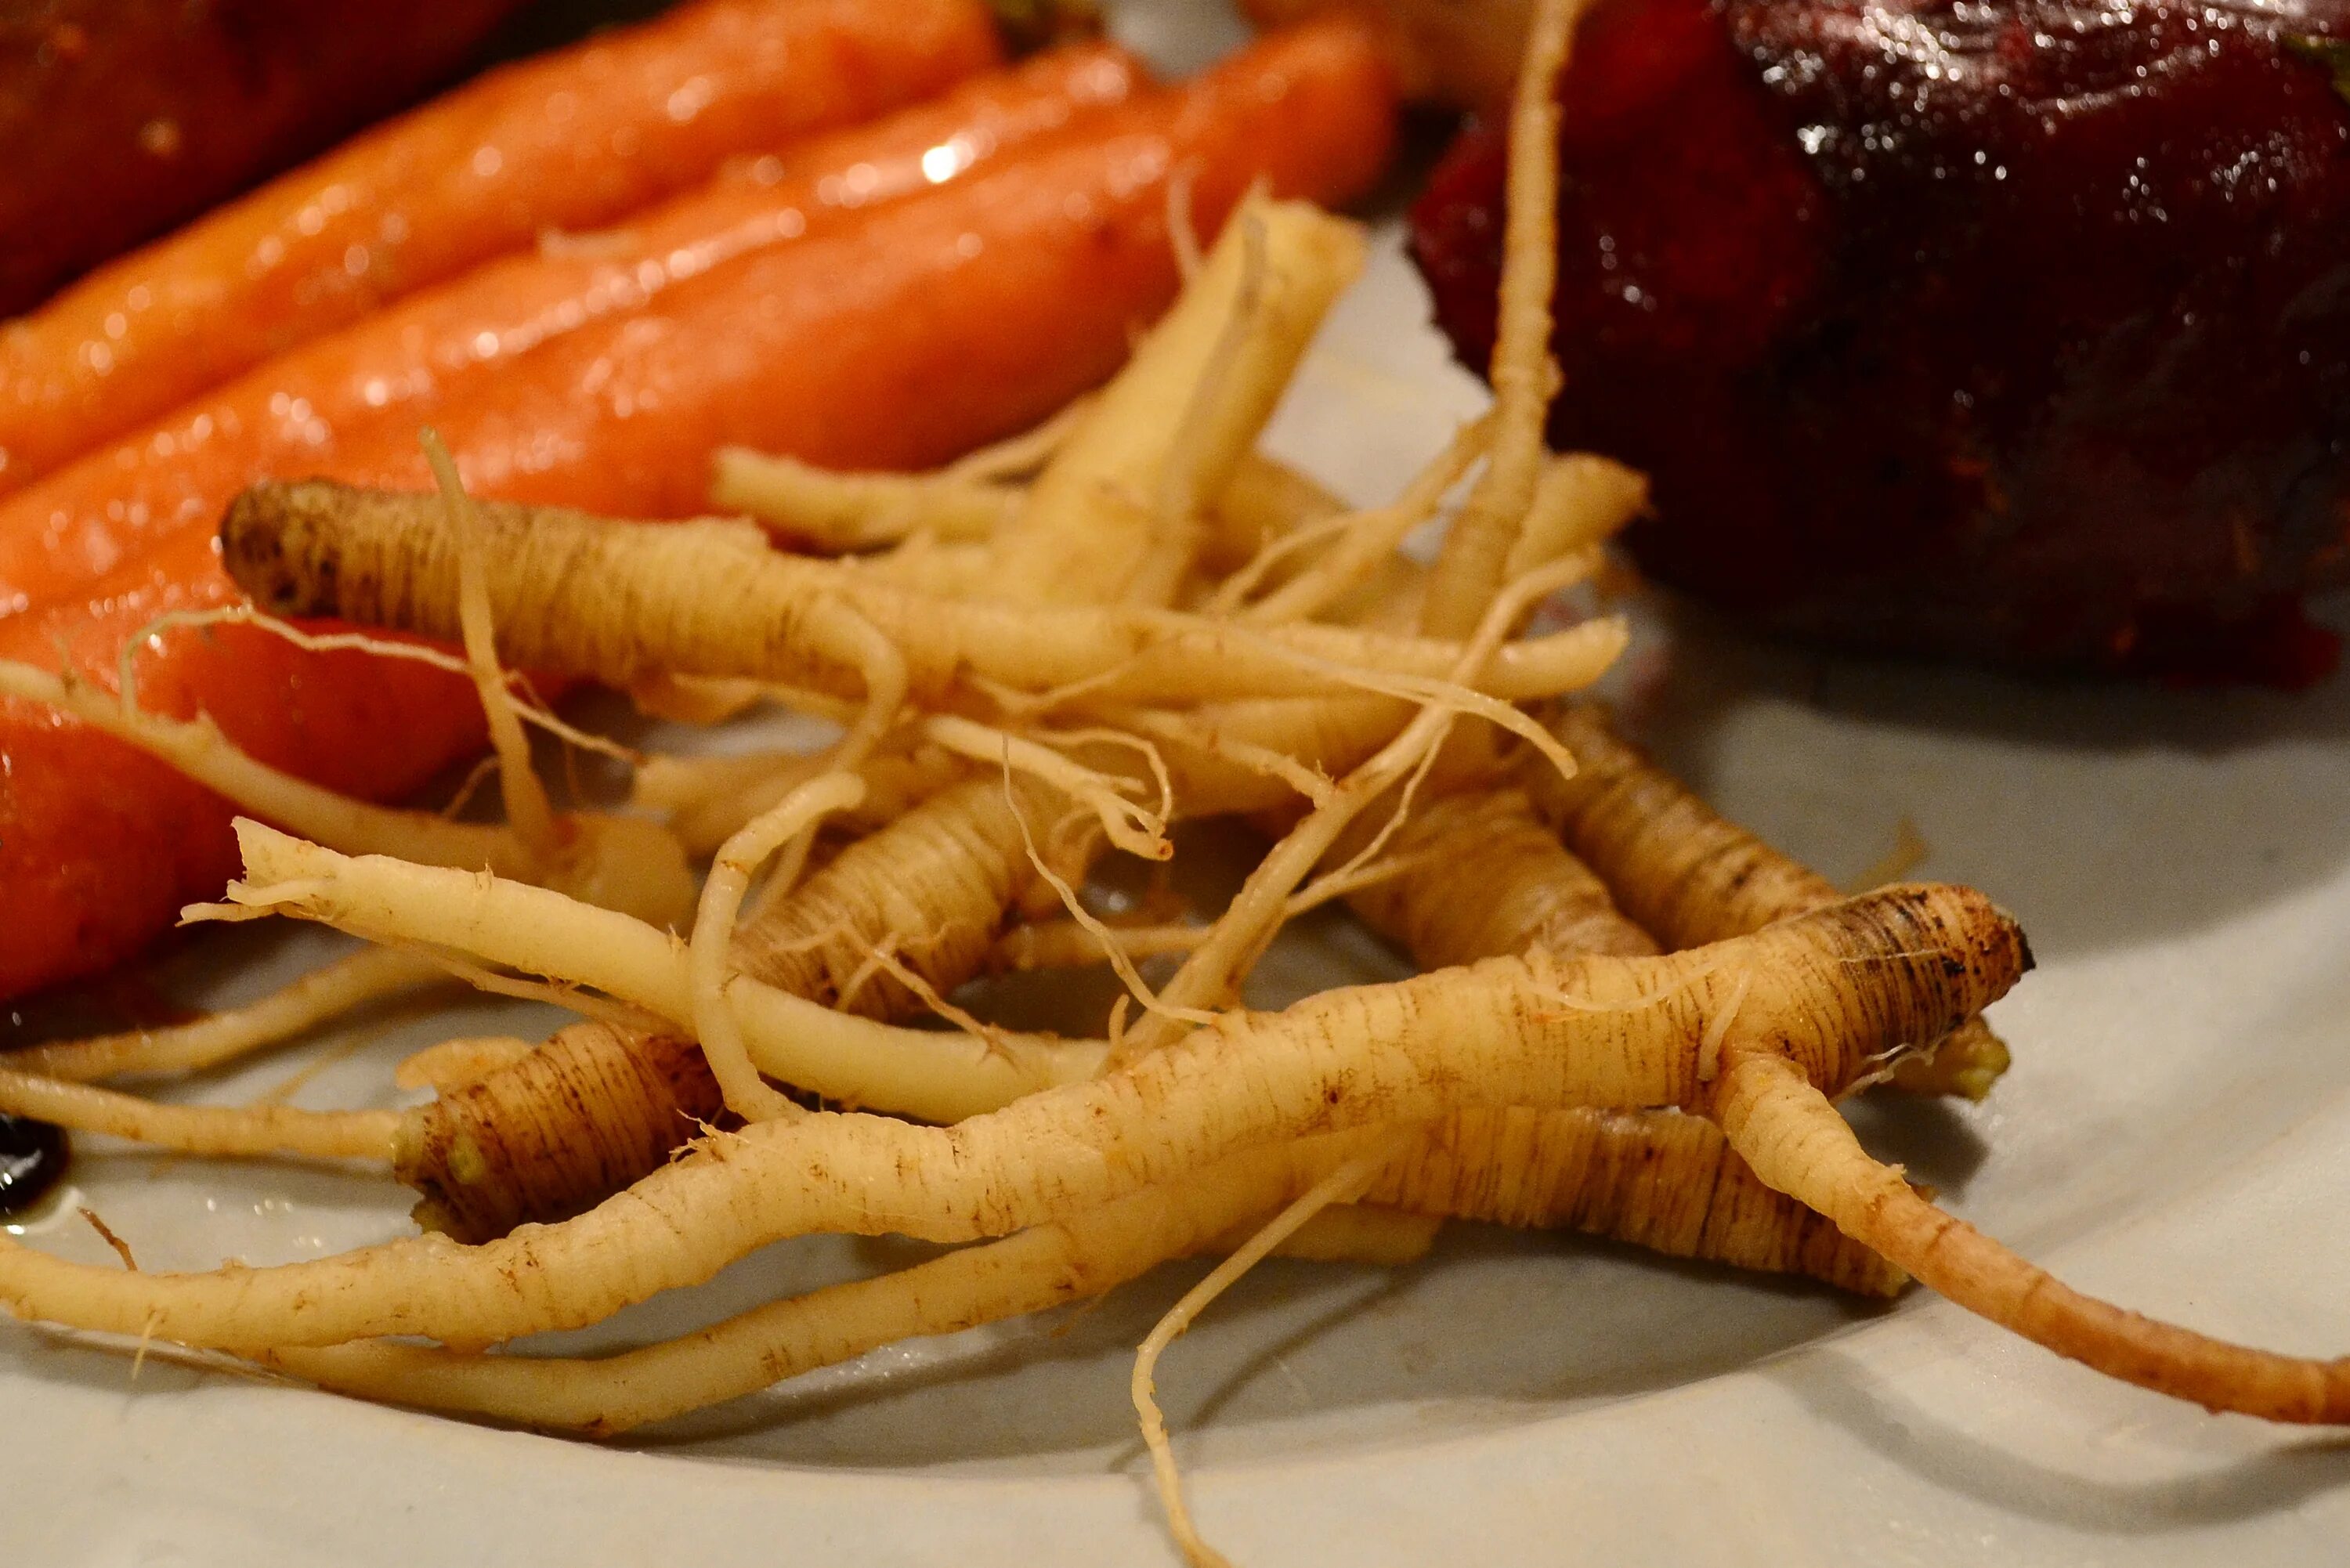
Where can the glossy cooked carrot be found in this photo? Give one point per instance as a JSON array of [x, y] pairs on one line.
[[465, 343], [925, 329], [122, 118], [573, 139], [350, 722]]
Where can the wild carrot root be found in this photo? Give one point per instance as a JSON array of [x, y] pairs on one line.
[[1794, 1140], [1665, 1181], [933, 885], [200, 1129], [1477, 550], [945, 872], [615, 601], [1263, 501], [1258, 755], [276, 1019], [793, 820], [1340, 1186], [1488, 880], [1363, 540], [1241, 932], [1484, 876], [708, 799], [1124, 499], [831, 511], [837, 513], [569, 1125], [1691, 876], [1582, 500], [1827, 990], [845, 1058], [597, 1107], [1048, 1264], [459, 1061]]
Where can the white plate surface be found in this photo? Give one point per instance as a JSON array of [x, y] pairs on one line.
[[2176, 1134]]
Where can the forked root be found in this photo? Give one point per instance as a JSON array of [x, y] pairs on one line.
[[1691, 876], [1829, 990], [1046, 1265], [1793, 1136]]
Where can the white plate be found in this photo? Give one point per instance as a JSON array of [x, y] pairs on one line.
[[2176, 1134]]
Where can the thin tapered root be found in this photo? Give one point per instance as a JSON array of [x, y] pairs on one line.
[[616, 601], [224, 1130], [1829, 989], [852, 1059], [1796, 1142], [1046, 1265], [233, 1034], [1690, 875]]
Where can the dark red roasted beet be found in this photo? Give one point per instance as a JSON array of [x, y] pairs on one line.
[[2019, 332], [119, 118]]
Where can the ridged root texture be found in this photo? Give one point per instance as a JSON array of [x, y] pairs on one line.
[[1796, 1141], [582, 1117], [1825, 992]]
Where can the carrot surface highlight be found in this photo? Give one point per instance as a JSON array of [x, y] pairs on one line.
[[914, 332], [571, 140]]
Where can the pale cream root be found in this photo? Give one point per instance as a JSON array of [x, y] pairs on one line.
[[1046, 1265], [1795, 1140], [1828, 990], [1665, 1181], [877, 930], [283, 1015], [1489, 878], [934, 884], [824, 510], [707, 799], [708, 956], [1362, 543], [1483, 876], [1342, 1185], [613, 600], [1474, 559], [200, 1129], [1263, 501], [1213, 969], [1580, 501], [453, 1064], [1129, 826], [1692, 876], [1090, 520], [528, 812], [844, 1057], [629, 1097]]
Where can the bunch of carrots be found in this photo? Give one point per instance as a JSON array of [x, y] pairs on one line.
[[585, 271], [1633, 1019]]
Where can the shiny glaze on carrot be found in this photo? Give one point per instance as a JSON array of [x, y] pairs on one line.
[[929, 326], [470, 341], [573, 139]]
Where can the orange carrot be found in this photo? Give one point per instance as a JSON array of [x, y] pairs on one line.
[[570, 139], [469, 340], [923, 328], [355, 723]]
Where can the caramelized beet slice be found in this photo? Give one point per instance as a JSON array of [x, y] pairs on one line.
[[2015, 332]]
